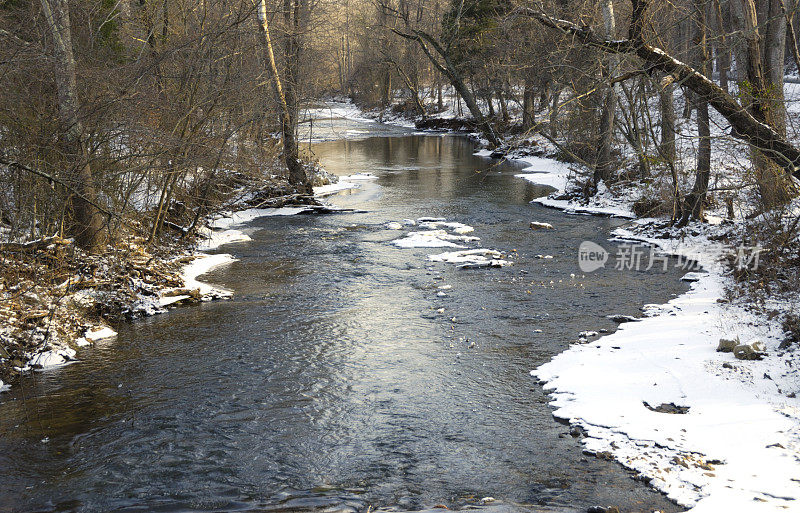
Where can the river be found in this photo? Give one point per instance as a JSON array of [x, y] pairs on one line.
[[346, 372]]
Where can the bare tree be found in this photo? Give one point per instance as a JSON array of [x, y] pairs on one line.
[[89, 224], [604, 163], [297, 173], [771, 142]]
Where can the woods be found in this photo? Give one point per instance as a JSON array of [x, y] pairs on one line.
[[145, 115], [143, 112], [409, 202]]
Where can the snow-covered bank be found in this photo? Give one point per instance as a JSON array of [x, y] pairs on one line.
[[736, 448], [345, 183], [224, 229], [544, 171], [342, 109]]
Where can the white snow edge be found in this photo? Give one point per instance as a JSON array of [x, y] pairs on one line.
[[735, 416]]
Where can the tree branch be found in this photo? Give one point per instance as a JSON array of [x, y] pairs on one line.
[[761, 135], [52, 179]]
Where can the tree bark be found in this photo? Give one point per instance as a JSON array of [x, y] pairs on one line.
[[604, 164], [503, 107], [723, 55], [791, 36], [765, 88], [553, 123], [528, 105], [666, 105], [694, 202], [89, 226], [297, 173]]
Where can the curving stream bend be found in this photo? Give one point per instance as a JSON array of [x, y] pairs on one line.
[[345, 373]]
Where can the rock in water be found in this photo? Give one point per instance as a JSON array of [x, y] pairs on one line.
[[622, 318], [541, 226]]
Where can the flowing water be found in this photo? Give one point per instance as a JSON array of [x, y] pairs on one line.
[[333, 379]]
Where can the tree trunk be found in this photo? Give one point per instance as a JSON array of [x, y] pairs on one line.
[[765, 81], [604, 163], [722, 46], [503, 107], [297, 173], [791, 36], [666, 105], [449, 70], [291, 53], [528, 105], [695, 201], [553, 128], [89, 226]]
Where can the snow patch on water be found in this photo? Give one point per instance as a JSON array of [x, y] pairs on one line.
[[472, 258], [99, 333], [433, 239], [202, 265], [457, 228], [345, 183], [53, 358], [333, 188]]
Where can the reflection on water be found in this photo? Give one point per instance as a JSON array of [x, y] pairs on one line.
[[333, 378]]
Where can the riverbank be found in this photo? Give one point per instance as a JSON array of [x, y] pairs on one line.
[[713, 429], [56, 298]]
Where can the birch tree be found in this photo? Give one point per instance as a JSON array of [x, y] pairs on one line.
[[291, 155]]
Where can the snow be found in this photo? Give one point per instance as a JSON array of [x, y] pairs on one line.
[[722, 454], [472, 258], [544, 171], [169, 300], [53, 358], [201, 265], [432, 239], [241, 217], [342, 110], [345, 183], [571, 207], [341, 185], [457, 228], [99, 333], [222, 237]]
